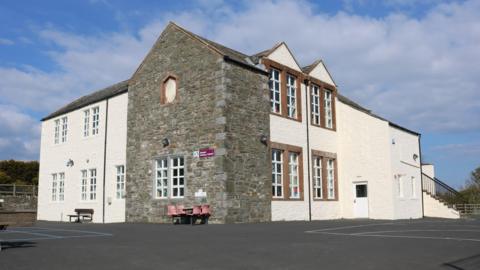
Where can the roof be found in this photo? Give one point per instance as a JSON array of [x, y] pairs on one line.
[[309, 68], [228, 53], [357, 106], [102, 94]]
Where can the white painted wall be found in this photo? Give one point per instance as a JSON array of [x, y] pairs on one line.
[[320, 72], [283, 56], [406, 169], [364, 156], [429, 170], [86, 153], [434, 208]]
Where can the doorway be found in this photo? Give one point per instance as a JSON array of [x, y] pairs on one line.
[[360, 202]]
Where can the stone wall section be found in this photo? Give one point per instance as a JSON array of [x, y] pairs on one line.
[[247, 162], [193, 121]]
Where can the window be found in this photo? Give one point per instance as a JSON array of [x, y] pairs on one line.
[[84, 185], [277, 171], [274, 84], [61, 187], [330, 179], [54, 187], [95, 120], [317, 178], [93, 184], [162, 178], [178, 179], [400, 186], [291, 96], [293, 174], [64, 129], [286, 172], [315, 105], [170, 176], [328, 109], [120, 182], [413, 185], [57, 131], [86, 123]]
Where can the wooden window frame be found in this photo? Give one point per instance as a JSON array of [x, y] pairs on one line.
[[286, 149], [299, 77], [275, 185], [312, 113], [325, 156], [322, 87], [273, 101], [163, 98]]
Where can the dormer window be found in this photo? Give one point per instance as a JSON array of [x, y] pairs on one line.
[[169, 90]]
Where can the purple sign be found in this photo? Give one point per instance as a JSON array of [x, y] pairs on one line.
[[206, 152]]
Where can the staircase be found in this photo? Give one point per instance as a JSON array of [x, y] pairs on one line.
[[433, 204]]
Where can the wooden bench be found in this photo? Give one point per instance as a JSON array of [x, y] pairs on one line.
[[82, 214]]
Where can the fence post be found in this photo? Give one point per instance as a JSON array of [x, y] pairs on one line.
[[14, 189], [33, 190]]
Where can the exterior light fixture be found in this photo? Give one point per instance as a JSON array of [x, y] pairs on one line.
[[415, 156], [165, 142], [70, 163], [263, 139]]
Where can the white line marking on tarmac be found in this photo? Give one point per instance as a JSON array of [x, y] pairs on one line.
[[404, 236]]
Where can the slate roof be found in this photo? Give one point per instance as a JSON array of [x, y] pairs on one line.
[[111, 91], [357, 106], [309, 68]]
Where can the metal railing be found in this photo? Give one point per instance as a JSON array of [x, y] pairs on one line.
[[438, 188], [18, 190], [468, 209]]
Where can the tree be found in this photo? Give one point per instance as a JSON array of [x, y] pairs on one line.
[[20, 172], [471, 192]]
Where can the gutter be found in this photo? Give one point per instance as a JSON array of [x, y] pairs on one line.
[[421, 172], [105, 161], [308, 150]]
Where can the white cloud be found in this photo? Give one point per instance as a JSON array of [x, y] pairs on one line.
[[4, 41]]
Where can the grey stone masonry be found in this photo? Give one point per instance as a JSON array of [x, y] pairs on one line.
[[218, 105]]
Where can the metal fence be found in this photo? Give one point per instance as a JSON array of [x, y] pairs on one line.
[[438, 188], [468, 209], [18, 190]]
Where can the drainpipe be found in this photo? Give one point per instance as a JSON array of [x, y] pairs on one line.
[[105, 161], [307, 116], [421, 172]]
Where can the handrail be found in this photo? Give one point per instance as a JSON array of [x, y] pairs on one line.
[[18, 190]]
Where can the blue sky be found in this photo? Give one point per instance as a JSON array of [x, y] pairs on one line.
[[413, 62]]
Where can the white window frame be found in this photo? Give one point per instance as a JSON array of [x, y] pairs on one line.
[[120, 183], [84, 185], [57, 131], [54, 187], [328, 108], [275, 89], [291, 96], [64, 129], [414, 184], [331, 179], [293, 175], [317, 177], [61, 187], [86, 123], [277, 173], [161, 178], [401, 192], [315, 102], [169, 181], [180, 185], [92, 196], [95, 120]]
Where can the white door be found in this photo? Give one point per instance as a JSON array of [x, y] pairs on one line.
[[360, 202]]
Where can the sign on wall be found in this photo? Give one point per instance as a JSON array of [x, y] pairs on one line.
[[204, 153]]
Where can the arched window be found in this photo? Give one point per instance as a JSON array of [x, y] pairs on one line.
[[169, 89]]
